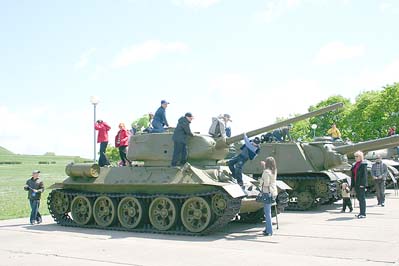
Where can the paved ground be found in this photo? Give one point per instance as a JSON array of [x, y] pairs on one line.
[[323, 237]]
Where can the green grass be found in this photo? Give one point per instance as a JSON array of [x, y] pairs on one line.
[[13, 198]]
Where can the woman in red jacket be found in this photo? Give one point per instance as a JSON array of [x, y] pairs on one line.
[[121, 142], [102, 138]]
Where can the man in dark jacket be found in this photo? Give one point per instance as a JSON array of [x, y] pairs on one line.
[[248, 151], [359, 182], [180, 138], [159, 120], [35, 188]]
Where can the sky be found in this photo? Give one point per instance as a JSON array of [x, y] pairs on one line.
[[255, 60]]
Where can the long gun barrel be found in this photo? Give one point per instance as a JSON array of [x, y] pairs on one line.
[[284, 123], [369, 145]]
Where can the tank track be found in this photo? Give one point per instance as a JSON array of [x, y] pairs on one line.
[[233, 207], [329, 197]]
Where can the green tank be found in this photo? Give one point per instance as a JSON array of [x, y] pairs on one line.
[[388, 153], [195, 199], [390, 158], [313, 170]]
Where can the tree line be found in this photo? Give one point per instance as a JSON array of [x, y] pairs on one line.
[[369, 117]]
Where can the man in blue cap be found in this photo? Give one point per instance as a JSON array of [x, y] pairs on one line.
[[159, 121]]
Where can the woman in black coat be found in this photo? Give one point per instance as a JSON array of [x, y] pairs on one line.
[[359, 182]]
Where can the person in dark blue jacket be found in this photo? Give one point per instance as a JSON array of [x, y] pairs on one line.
[[248, 151], [159, 121], [180, 138]]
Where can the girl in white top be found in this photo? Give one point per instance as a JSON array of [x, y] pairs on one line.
[[268, 182]]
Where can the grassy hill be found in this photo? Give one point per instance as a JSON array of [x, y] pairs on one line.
[[15, 169], [4, 151]]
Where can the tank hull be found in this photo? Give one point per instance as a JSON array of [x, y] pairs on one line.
[[168, 200]]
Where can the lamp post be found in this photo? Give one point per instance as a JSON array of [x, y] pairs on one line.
[[314, 126], [94, 101]]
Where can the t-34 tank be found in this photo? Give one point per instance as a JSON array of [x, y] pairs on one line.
[[197, 198], [313, 170]]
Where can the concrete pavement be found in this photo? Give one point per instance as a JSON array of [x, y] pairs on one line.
[[322, 237]]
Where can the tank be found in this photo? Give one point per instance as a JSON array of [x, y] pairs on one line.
[[313, 170], [195, 199], [388, 154]]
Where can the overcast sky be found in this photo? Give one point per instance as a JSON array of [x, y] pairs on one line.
[[256, 60]]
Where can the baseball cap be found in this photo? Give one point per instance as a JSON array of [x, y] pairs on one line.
[[35, 171], [165, 101], [188, 114]]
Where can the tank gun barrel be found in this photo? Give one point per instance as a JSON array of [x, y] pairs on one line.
[[284, 123], [369, 145]]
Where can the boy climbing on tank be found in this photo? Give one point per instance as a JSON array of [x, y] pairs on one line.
[[248, 151]]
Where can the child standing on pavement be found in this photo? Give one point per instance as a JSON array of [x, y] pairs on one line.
[[346, 200]]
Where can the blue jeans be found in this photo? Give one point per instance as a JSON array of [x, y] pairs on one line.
[[235, 165], [103, 160], [157, 127], [35, 214], [268, 218]]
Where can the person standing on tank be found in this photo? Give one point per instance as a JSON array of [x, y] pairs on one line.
[[35, 188], [121, 142], [102, 138], [219, 127], [180, 138], [359, 182], [249, 150], [159, 121], [269, 186]]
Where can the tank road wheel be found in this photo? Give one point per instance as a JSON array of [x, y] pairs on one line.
[[59, 203], [163, 213], [305, 200], [321, 188], [130, 212], [104, 211], [196, 214], [81, 210], [219, 204]]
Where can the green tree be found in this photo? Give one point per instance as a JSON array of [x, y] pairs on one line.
[[112, 154], [325, 121], [141, 123], [374, 112]]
